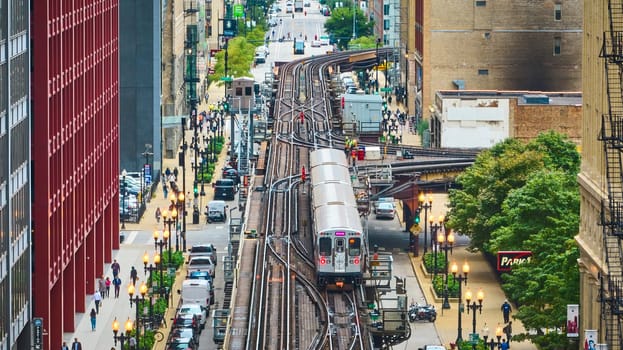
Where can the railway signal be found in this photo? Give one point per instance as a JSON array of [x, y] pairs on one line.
[[302, 117], [343, 102], [303, 175]]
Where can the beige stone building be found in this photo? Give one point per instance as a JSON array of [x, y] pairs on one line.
[[492, 45], [601, 277]]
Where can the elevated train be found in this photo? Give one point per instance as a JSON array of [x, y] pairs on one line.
[[340, 245]]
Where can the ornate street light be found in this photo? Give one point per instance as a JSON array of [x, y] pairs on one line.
[[427, 205], [474, 306], [124, 335], [461, 278], [446, 242], [136, 300]]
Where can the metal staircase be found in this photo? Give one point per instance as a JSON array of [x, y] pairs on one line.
[[611, 294]]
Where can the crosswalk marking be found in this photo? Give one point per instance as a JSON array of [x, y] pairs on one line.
[[130, 238]]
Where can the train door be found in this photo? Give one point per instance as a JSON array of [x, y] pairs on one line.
[[340, 255]]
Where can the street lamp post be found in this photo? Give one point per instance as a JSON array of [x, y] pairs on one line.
[[159, 243], [446, 242], [169, 220], [179, 204], [136, 299], [124, 208], [474, 306], [434, 226], [461, 278], [124, 335], [152, 267], [426, 205], [378, 42]]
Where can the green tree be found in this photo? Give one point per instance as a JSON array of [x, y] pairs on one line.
[[340, 25], [485, 186], [525, 197], [364, 42], [240, 54]]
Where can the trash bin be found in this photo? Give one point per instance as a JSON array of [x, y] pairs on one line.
[[195, 217]]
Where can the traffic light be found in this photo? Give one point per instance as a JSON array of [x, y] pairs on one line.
[[416, 218], [195, 189], [226, 106]]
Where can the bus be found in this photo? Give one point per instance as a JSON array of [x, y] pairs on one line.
[[299, 47]]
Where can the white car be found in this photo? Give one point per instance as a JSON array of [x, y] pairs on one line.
[[202, 263], [315, 43], [196, 309]]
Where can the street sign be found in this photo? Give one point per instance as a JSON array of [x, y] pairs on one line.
[[227, 79], [38, 332], [386, 89], [229, 27], [238, 10], [474, 338], [147, 172]]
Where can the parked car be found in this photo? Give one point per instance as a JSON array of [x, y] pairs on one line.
[[207, 249], [187, 321], [216, 210], [197, 310], [406, 154], [181, 334], [203, 275], [178, 343], [202, 264]]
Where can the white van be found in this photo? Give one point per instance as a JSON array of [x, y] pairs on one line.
[[196, 292]]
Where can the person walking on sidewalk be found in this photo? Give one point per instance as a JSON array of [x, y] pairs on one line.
[[506, 311], [508, 330], [93, 319], [117, 283], [158, 215], [108, 282], [133, 275], [102, 286], [97, 297], [76, 345], [115, 268], [504, 345], [64, 346]]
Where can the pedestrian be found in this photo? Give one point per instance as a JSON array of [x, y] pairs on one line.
[[117, 283], [504, 345], [64, 346], [93, 319], [76, 345], [508, 330], [506, 310], [108, 282], [165, 190], [167, 172], [132, 343], [115, 268], [101, 283], [158, 214], [133, 275], [98, 300]]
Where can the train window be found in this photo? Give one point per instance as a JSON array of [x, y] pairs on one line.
[[324, 246], [339, 246], [354, 246]]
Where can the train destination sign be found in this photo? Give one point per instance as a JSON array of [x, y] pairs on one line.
[[506, 259]]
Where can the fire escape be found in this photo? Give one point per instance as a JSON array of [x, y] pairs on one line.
[[611, 293]]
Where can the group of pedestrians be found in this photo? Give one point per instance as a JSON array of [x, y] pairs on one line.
[[508, 324]]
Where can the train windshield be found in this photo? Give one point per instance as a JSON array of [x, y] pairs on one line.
[[354, 246], [324, 246]]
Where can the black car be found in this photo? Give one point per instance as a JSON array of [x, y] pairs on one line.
[[187, 321], [181, 334], [406, 154], [181, 344], [231, 173]]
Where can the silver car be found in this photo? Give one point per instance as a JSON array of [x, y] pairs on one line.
[[202, 263], [197, 310]]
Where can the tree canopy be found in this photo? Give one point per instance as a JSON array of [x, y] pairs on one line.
[[240, 55], [525, 197], [340, 25]]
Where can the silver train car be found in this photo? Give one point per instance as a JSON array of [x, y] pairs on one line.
[[339, 240]]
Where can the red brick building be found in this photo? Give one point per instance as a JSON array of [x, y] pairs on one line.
[[75, 154]]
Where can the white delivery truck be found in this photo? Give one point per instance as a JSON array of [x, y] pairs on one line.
[[196, 292]]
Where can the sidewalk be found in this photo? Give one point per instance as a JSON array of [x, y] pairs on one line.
[[408, 138], [134, 247]]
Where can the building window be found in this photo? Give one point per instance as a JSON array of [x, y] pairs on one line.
[[483, 72], [558, 12], [239, 91], [386, 24], [481, 3], [248, 91], [557, 46], [386, 10]]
